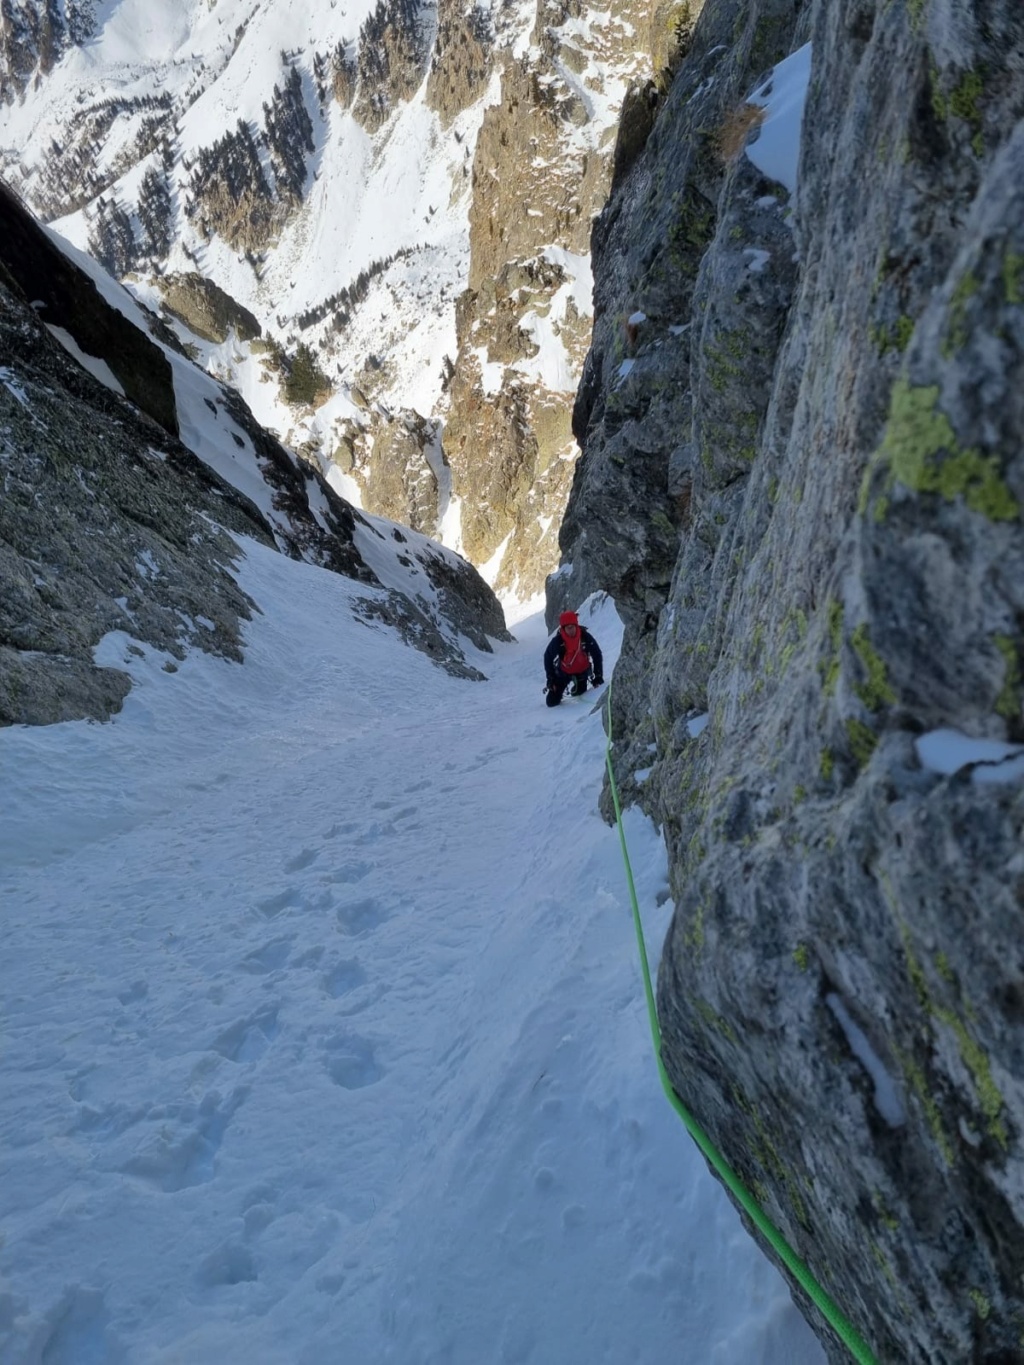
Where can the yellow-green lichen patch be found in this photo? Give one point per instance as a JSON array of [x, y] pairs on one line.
[[767, 1154], [829, 668], [961, 102], [977, 1063], [883, 1263], [914, 968], [1008, 703], [963, 99], [694, 935], [971, 1052], [957, 331], [892, 338], [885, 1214], [875, 692], [982, 1306], [924, 455], [1013, 277], [802, 956], [862, 741], [715, 1020], [917, 1083]]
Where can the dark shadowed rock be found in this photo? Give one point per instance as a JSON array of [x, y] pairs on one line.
[[68, 299], [106, 523]]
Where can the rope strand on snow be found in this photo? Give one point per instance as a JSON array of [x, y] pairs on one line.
[[822, 1300]]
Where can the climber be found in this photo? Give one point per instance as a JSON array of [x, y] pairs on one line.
[[570, 658]]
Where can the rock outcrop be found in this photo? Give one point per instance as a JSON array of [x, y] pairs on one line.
[[802, 480], [205, 309], [109, 521], [462, 59], [394, 50]]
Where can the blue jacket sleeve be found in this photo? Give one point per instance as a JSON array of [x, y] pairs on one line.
[[550, 656]]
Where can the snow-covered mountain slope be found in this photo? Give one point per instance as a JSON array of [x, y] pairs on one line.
[[197, 74], [323, 1034], [320, 163]]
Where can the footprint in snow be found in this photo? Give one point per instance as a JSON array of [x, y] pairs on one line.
[[348, 873], [78, 1329], [350, 1062], [487, 757], [343, 978], [181, 1150], [284, 900], [349, 827], [359, 917], [302, 860], [248, 1039], [137, 991], [310, 957], [270, 958], [230, 1263]]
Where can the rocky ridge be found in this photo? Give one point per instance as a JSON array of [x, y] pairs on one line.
[[802, 481], [110, 522]]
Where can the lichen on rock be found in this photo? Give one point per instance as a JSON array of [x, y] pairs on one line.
[[825, 405]]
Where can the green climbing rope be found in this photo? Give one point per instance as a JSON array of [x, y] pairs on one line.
[[822, 1300]]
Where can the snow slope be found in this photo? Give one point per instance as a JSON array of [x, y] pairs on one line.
[[322, 1030]]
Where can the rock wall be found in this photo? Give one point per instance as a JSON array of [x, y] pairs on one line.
[[541, 170], [802, 480]]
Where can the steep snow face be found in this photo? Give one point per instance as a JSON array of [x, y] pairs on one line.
[[304, 1061], [319, 162]]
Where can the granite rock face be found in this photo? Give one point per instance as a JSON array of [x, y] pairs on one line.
[[802, 481], [106, 523]]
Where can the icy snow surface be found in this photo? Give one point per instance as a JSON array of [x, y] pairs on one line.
[[323, 1038], [776, 149], [887, 1098], [947, 751]]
